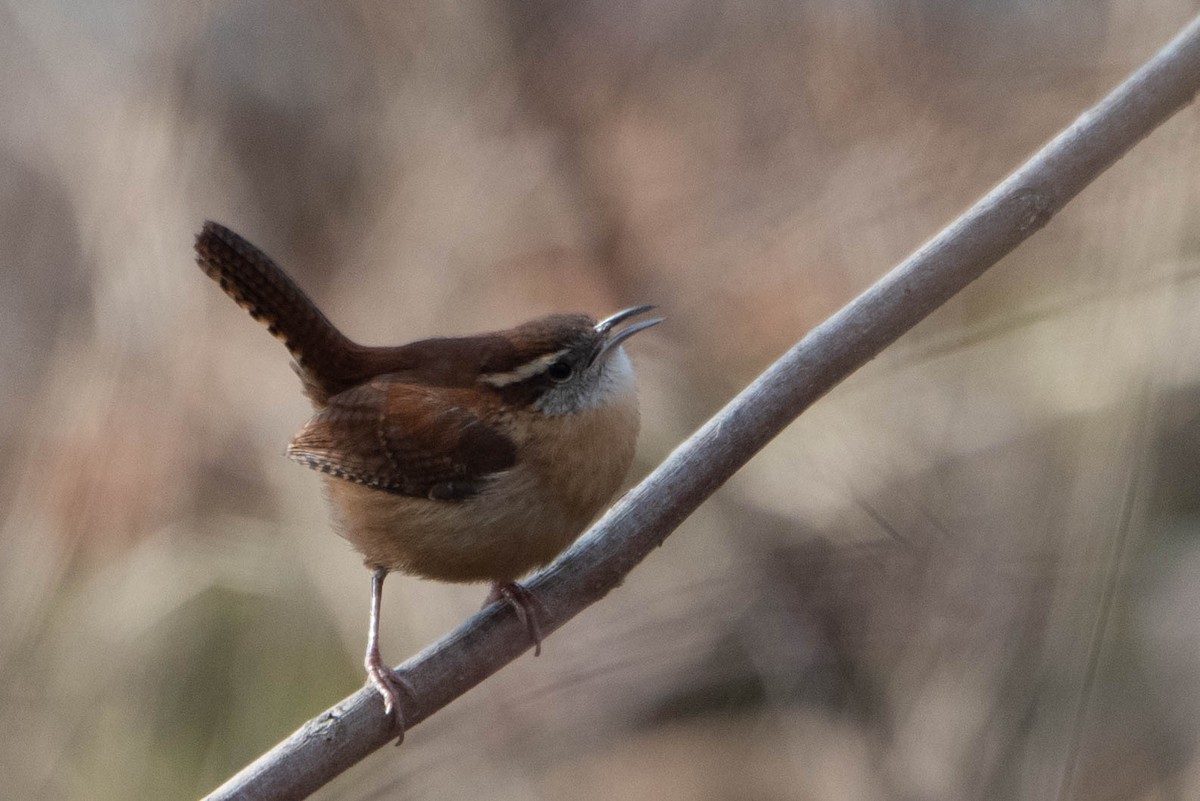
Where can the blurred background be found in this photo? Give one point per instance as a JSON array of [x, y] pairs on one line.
[[972, 571]]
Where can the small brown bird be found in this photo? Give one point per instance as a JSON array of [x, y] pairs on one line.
[[471, 459]]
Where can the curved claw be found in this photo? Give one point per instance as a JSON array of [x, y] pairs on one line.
[[525, 604], [389, 684]]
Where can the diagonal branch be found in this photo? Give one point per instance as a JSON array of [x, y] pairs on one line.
[[597, 563]]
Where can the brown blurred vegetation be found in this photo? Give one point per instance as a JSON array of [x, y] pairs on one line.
[[969, 572]]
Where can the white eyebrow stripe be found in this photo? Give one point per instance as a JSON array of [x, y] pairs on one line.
[[525, 371]]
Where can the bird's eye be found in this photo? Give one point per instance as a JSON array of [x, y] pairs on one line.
[[559, 372]]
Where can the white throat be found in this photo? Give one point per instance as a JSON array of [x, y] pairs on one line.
[[602, 384]]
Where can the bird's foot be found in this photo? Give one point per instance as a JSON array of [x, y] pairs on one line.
[[525, 604], [390, 685]]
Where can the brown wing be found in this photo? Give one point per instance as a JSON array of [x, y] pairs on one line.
[[404, 439]]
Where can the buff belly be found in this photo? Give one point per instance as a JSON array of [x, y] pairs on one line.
[[524, 518]]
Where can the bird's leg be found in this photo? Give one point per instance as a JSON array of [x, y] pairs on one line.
[[386, 681], [525, 604]]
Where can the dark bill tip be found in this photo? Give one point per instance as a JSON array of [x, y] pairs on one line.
[[612, 340], [608, 323]]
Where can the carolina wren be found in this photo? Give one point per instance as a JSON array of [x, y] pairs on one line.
[[471, 459]]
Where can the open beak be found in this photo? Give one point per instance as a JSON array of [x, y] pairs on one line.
[[612, 338]]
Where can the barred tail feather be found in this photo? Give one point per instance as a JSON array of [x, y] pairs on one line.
[[323, 354]]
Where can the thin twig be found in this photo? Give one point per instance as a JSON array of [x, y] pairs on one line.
[[1009, 214]]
